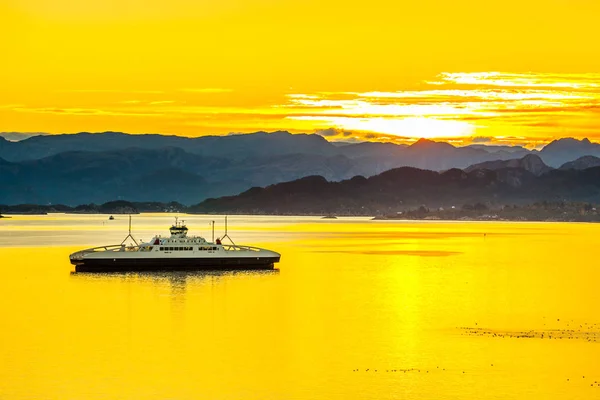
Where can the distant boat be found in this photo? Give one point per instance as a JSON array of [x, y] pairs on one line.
[[329, 217], [178, 252], [111, 217]]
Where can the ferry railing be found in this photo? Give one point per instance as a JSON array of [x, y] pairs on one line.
[[235, 247], [112, 247]]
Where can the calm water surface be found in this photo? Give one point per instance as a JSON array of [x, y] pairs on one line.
[[358, 309]]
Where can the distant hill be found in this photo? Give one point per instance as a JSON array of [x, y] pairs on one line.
[[531, 163], [18, 136], [99, 167], [167, 174], [424, 154], [584, 162], [83, 177], [281, 142], [382, 156], [238, 146], [564, 150], [372, 149], [406, 187], [517, 150]]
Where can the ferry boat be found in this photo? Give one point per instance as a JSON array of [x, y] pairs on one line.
[[179, 252]]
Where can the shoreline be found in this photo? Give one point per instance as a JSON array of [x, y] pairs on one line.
[[559, 211], [549, 220], [429, 218]]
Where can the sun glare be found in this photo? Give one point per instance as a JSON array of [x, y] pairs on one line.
[[414, 127]]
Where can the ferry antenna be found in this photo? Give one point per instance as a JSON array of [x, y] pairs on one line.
[[226, 235], [129, 235]]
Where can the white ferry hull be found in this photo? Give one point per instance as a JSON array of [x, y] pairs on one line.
[[177, 253]]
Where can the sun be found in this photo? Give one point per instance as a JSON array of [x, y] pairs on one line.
[[409, 127]]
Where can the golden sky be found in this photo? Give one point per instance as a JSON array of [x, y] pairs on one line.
[[377, 70]]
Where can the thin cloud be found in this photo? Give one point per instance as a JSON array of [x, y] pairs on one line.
[[525, 80], [459, 104], [84, 112], [482, 139], [206, 90], [333, 132], [111, 91], [162, 102], [327, 132], [455, 106]]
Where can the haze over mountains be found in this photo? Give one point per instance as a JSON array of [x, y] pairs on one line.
[[84, 168]]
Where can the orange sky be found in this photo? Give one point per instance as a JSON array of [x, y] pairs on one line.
[[381, 70]]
